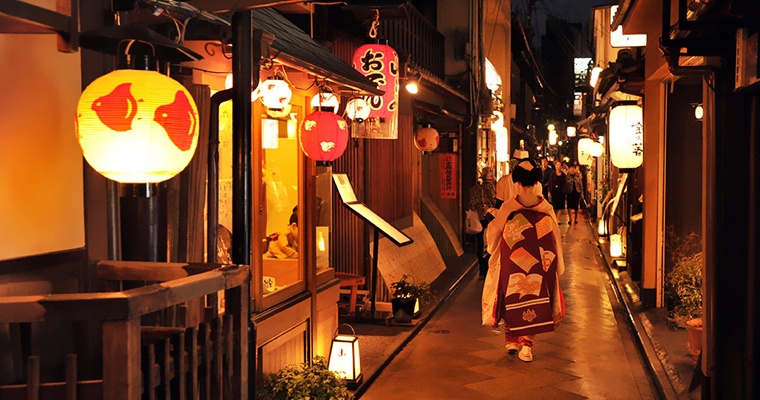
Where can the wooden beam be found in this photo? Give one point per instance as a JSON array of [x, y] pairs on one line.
[[121, 360]]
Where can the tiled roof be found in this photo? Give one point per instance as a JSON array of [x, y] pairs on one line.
[[291, 40]]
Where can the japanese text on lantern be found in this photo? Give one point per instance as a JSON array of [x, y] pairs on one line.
[[638, 140], [448, 176]]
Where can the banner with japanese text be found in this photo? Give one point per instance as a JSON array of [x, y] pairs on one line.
[[448, 176]]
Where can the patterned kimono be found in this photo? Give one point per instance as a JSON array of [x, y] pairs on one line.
[[523, 288]]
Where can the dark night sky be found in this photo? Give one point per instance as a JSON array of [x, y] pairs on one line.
[[570, 10]]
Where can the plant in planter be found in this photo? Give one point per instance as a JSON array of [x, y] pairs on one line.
[[683, 285], [406, 293], [306, 381]]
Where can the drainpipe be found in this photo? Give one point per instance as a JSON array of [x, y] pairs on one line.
[[213, 174]]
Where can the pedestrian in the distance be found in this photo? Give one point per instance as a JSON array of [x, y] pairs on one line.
[[557, 184], [483, 197], [574, 192], [523, 290]]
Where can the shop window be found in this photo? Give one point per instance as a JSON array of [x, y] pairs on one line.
[[282, 264], [323, 226]]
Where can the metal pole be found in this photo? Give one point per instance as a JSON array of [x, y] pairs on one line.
[[375, 254], [241, 137]]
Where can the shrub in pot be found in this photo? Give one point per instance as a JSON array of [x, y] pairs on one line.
[[307, 381], [683, 285], [406, 294]]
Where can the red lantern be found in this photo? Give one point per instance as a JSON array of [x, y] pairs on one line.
[[379, 63], [426, 139], [137, 126], [323, 136]]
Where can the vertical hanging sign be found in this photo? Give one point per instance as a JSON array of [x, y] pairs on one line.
[[448, 176]]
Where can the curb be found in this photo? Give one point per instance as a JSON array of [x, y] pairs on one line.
[[650, 351], [423, 321]]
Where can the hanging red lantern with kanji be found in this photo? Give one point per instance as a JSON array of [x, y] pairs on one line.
[[323, 136], [137, 126], [379, 63]]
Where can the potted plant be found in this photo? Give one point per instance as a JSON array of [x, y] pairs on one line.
[[306, 381], [406, 294], [684, 288]]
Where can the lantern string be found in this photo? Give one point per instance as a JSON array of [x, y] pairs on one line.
[[375, 25]]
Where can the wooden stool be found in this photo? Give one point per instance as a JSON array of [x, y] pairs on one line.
[[352, 281]]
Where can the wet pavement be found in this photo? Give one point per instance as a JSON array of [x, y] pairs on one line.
[[591, 355]]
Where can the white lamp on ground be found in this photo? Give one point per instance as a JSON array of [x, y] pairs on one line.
[[344, 357]]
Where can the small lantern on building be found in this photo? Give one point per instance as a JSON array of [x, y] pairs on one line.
[[616, 245], [323, 136], [275, 93], [626, 136], [426, 139], [571, 131], [357, 109], [344, 357], [602, 230], [584, 151], [325, 101], [137, 126], [596, 149]]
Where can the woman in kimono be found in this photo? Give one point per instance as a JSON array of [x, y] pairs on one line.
[[522, 288]]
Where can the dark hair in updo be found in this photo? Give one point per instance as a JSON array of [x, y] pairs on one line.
[[526, 178]]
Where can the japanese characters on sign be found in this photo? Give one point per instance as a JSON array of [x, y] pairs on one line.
[[379, 63], [448, 176]]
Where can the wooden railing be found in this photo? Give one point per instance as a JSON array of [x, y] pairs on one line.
[[187, 355]]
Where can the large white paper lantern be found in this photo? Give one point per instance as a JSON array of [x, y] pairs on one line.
[[596, 149], [584, 151], [137, 126], [626, 136]]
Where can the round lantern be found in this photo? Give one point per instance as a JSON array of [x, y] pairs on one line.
[[357, 109], [379, 63], [584, 151], [275, 93], [626, 136], [426, 139], [137, 126], [324, 136], [596, 149], [325, 100]]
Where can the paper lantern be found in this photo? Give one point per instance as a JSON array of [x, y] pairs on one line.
[[275, 93], [616, 245], [602, 229], [596, 149], [426, 139], [379, 63], [323, 136], [584, 151], [344, 357], [570, 131], [357, 109], [553, 137], [137, 126], [626, 136], [325, 100]]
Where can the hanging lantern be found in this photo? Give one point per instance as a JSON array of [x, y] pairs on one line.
[[379, 63], [596, 149], [426, 139], [616, 245], [324, 136], [584, 151], [570, 131], [275, 93], [324, 101], [602, 230], [626, 136], [137, 126], [553, 137], [357, 109], [344, 357]]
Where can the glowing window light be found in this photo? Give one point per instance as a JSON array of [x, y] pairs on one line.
[[570, 131]]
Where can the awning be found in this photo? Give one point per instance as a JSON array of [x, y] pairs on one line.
[[293, 47]]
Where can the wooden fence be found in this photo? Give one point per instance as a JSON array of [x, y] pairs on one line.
[[154, 346]]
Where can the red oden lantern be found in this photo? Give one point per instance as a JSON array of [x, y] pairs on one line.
[[379, 63], [137, 126], [323, 136]]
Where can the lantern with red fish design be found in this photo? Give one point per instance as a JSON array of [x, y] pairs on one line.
[[137, 126], [379, 63], [426, 139], [323, 136]]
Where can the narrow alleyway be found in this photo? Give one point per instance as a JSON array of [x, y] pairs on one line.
[[591, 355]]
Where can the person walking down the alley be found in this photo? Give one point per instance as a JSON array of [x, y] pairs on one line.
[[574, 191], [523, 290], [556, 188], [546, 173], [483, 197]]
